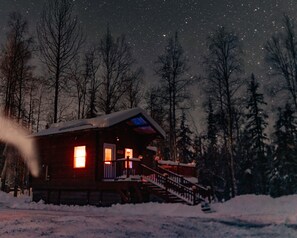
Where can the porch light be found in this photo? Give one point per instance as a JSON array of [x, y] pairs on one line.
[[79, 156]]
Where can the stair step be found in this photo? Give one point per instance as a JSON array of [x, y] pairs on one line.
[[167, 196]]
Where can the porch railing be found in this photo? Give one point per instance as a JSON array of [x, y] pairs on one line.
[[181, 180], [115, 169], [172, 184]]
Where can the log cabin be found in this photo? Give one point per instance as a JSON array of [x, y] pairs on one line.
[[102, 161]]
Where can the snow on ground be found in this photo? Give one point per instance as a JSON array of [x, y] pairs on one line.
[[243, 216]]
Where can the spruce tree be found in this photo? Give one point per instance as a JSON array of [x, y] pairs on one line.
[[283, 175], [211, 127], [212, 166], [184, 141], [211, 156], [255, 136]]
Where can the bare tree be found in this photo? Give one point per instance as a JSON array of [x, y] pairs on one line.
[[85, 83], [172, 69], [223, 65], [134, 92], [91, 66], [60, 39], [16, 73], [281, 55], [38, 104], [35, 94], [14, 65], [155, 104], [75, 76], [116, 63]]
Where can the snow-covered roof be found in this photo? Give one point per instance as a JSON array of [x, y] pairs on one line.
[[136, 117], [152, 148]]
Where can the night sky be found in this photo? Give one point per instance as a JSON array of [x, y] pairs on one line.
[[148, 23]]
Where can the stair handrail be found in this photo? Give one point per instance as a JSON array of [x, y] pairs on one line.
[[173, 175], [183, 180], [190, 194]]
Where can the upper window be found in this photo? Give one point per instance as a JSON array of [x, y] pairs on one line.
[[79, 156], [141, 126]]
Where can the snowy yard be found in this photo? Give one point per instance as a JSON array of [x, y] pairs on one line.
[[244, 216]]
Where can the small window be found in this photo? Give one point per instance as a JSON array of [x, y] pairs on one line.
[[128, 152], [108, 155], [79, 156]]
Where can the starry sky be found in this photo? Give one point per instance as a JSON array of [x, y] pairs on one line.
[[148, 23]]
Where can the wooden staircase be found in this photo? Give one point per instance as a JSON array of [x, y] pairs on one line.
[[172, 187], [162, 193]]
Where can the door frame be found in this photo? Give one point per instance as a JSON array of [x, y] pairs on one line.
[[109, 170]]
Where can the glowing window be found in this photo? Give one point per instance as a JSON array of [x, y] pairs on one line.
[[128, 153], [108, 155], [79, 156]]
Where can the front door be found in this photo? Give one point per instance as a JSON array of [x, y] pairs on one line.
[[109, 160]]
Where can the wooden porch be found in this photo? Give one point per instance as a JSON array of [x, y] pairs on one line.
[[135, 184]]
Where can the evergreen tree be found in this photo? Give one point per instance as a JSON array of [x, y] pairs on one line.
[[212, 147], [198, 149], [283, 175], [184, 142], [91, 66], [255, 136], [213, 167], [212, 130]]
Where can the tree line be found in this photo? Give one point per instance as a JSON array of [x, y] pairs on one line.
[[234, 154]]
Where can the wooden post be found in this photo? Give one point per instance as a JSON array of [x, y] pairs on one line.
[[166, 185], [128, 167], [209, 193], [182, 181], [194, 189]]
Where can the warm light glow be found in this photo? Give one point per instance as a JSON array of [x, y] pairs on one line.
[[108, 155], [128, 153], [80, 157]]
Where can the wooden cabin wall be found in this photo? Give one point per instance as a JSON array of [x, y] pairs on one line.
[[123, 137], [56, 153]]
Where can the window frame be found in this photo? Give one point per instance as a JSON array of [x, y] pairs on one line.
[[77, 164]]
